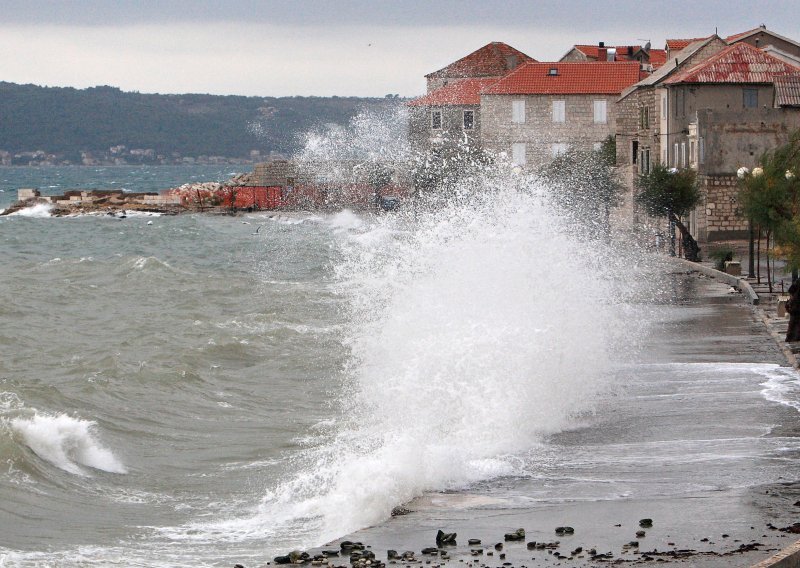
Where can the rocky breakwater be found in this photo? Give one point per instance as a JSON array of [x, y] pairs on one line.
[[190, 197]]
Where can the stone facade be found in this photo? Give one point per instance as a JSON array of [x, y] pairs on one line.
[[718, 217], [539, 132], [451, 134]]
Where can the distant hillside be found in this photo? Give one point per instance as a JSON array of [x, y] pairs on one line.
[[104, 124]]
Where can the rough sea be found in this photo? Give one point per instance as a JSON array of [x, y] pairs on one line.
[[204, 390]]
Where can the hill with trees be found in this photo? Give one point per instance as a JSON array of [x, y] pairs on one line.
[[106, 125]]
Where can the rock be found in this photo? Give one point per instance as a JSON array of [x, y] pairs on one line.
[[330, 552], [518, 534], [399, 511], [296, 557], [392, 554], [576, 551], [498, 546], [646, 523], [443, 538], [502, 556], [238, 566], [476, 551], [564, 530], [640, 534], [348, 545], [532, 545], [282, 560], [430, 550], [474, 541]]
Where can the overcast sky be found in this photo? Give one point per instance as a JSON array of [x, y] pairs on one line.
[[336, 47]]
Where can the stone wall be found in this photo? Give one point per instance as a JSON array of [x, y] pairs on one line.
[[539, 132], [718, 217], [451, 134]]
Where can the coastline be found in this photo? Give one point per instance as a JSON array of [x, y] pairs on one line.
[[733, 526]]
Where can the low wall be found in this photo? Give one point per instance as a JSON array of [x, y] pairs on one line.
[[737, 282], [789, 557]]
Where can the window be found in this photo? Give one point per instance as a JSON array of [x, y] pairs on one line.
[[664, 105], [692, 152], [559, 111], [675, 149], [683, 154], [644, 118], [436, 119], [646, 161], [600, 112], [680, 103], [559, 148], [750, 98], [518, 112], [634, 151], [469, 119], [518, 153]]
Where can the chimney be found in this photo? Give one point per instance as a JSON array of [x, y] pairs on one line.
[[602, 51]]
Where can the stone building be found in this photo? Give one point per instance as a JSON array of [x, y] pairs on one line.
[[713, 107], [727, 111], [540, 110], [448, 116]]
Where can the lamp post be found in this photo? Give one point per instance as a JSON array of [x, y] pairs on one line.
[[741, 173]]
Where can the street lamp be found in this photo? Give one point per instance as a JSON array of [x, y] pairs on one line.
[[741, 173]]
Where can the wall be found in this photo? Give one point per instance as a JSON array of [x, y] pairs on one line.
[[539, 131], [763, 39], [452, 133], [735, 138], [717, 218]]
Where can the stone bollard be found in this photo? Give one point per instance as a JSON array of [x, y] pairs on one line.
[[733, 267]]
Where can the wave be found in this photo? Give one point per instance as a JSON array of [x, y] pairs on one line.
[[70, 444], [39, 210], [475, 329]]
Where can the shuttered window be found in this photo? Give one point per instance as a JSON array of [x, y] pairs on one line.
[[518, 111], [559, 111], [600, 112]]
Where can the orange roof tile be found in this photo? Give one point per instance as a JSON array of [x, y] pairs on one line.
[[457, 92], [679, 44], [491, 60], [658, 57], [571, 78], [738, 63]]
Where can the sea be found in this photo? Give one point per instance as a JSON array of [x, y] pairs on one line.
[[204, 390]]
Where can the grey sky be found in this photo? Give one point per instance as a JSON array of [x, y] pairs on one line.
[[314, 47]]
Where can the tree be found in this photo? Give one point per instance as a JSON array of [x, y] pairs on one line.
[[671, 194], [586, 185]]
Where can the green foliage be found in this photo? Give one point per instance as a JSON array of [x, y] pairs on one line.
[[665, 192], [585, 185], [720, 256], [64, 120], [771, 198]]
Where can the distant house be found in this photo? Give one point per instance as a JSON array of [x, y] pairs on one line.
[[492, 60], [540, 110], [449, 114], [727, 111], [650, 59]]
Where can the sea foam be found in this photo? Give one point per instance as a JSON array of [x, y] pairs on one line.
[[475, 327], [68, 443]]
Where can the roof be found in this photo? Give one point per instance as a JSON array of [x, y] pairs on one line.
[[680, 44], [571, 78], [656, 57], [457, 92], [787, 91], [492, 60], [673, 65], [762, 29], [739, 63]]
